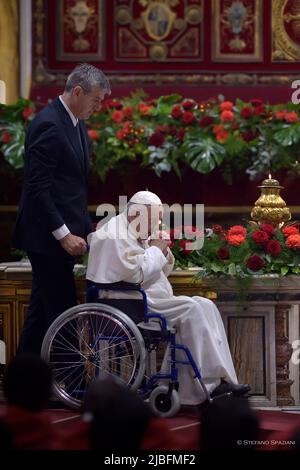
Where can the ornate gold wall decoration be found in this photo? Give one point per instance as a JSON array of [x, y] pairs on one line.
[[237, 31], [167, 30], [285, 30], [80, 29]]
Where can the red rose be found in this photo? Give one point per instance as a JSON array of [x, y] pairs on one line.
[[256, 102], [27, 112], [217, 228], [268, 228], [117, 116], [274, 248], [260, 237], [188, 104], [248, 136], [291, 117], [6, 137], [222, 136], [255, 263], [226, 106], [290, 230], [94, 135], [227, 116], [237, 230], [176, 112], [115, 104], [246, 112], [293, 242], [188, 117], [128, 111], [280, 114], [259, 110], [206, 121], [223, 253], [180, 134], [182, 245], [156, 139]]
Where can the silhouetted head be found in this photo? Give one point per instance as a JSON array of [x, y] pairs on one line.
[[227, 424], [118, 416], [28, 382]]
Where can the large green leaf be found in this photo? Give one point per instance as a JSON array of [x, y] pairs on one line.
[[288, 136], [203, 156]]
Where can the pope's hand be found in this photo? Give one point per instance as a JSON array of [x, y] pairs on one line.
[[73, 245], [161, 243]]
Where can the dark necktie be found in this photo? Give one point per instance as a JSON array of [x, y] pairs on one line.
[[79, 139]]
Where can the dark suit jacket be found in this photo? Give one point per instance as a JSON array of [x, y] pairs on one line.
[[55, 181]]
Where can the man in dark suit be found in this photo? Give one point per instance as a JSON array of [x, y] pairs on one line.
[[53, 221]]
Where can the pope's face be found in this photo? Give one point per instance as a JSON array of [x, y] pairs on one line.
[[145, 219], [87, 103]]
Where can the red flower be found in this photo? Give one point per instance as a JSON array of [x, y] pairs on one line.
[[27, 112], [188, 117], [156, 139], [260, 237], [206, 121], [255, 263], [268, 228], [237, 230], [94, 135], [246, 112], [121, 134], [191, 232], [180, 134], [248, 136], [188, 104], [236, 240], [274, 248], [259, 110], [223, 253], [6, 137], [182, 245], [176, 112], [226, 106], [128, 111], [293, 242], [290, 230], [115, 104], [227, 116], [256, 102], [280, 114], [222, 136], [291, 117], [117, 116], [144, 109], [217, 228]]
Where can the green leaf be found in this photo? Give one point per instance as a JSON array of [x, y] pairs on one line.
[[288, 136], [284, 270]]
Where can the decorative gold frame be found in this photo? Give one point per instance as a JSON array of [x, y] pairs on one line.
[[73, 56], [218, 56], [283, 47]]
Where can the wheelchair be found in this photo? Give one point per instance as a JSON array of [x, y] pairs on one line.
[[105, 337]]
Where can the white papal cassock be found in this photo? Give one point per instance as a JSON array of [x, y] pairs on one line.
[[197, 320]]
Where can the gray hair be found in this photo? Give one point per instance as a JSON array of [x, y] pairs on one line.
[[87, 76]]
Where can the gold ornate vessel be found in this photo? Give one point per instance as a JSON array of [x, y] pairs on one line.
[[270, 207]]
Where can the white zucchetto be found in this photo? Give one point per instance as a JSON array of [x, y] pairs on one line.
[[146, 197]]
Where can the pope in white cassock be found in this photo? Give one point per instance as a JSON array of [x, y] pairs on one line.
[[124, 251]]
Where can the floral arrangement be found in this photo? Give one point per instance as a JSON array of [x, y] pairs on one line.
[[166, 133], [244, 251]]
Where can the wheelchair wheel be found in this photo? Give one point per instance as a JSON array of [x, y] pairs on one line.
[[92, 341], [164, 404]]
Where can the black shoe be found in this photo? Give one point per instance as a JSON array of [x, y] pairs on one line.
[[237, 390]]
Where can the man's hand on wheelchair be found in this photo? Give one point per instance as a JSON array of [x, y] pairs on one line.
[[73, 245]]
